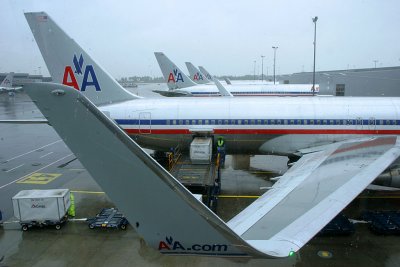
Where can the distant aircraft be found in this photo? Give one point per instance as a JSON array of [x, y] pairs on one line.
[[6, 85], [179, 82], [196, 75], [343, 144]]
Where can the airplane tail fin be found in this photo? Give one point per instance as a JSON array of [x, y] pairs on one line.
[[70, 65], [205, 73], [195, 74], [174, 77], [227, 80], [8, 81]]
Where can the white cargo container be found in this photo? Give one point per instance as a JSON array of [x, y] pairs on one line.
[[201, 150], [41, 206]]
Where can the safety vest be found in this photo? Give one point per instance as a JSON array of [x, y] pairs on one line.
[[220, 142]]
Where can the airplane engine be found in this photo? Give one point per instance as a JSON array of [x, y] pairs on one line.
[[390, 177]]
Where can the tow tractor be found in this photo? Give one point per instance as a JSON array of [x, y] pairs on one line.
[[108, 218]]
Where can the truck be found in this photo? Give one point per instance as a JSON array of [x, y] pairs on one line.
[[201, 150], [41, 207]]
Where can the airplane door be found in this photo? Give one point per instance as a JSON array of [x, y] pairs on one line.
[[359, 123], [371, 123], [145, 123]]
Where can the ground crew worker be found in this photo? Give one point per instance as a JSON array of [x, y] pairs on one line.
[[71, 210], [221, 150]]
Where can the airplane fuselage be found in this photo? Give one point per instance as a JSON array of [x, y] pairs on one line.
[[253, 90], [251, 125]]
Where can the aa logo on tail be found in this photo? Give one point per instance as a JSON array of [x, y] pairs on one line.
[[6, 82], [89, 76], [197, 77], [175, 76]]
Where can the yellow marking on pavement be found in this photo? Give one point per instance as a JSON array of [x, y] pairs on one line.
[[39, 178], [379, 196], [87, 192], [231, 196]]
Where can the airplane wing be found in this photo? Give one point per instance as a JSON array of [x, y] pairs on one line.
[[313, 192], [174, 222]]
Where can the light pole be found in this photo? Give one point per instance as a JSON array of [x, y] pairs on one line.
[[262, 67], [375, 61], [254, 70], [315, 44], [274, 47]]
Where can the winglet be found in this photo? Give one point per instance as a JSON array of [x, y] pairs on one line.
[[222, 90], [172, 221], [174, 77]]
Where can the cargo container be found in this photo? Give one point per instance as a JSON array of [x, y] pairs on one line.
[[201, 150], [41, 207]]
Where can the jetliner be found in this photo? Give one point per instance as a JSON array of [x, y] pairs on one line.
[[196, 75], [178, 82], [173, 222], [344, 144], [6, 84]]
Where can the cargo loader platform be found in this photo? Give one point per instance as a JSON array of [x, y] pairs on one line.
[[201, 179]]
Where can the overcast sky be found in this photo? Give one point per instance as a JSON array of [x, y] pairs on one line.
[[224, 36]]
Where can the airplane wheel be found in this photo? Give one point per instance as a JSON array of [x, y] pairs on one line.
[[123, 227], [58, 227], [24, 228]]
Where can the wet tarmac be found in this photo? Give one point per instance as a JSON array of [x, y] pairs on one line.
[[32, 156]]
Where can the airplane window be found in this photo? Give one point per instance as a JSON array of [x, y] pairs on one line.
[[219, 122], [174, 122], [252, 122], [226, 122], [207, 122], [312, 122], [239, 121], [246, 122], [187, 122], [213, 122], [265, 122], [194, 122], [168, 122], [200, 122]]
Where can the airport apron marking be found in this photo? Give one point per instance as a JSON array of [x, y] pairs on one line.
[[39, 178]]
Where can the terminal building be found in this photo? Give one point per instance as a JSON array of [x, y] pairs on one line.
[[351, 82]]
